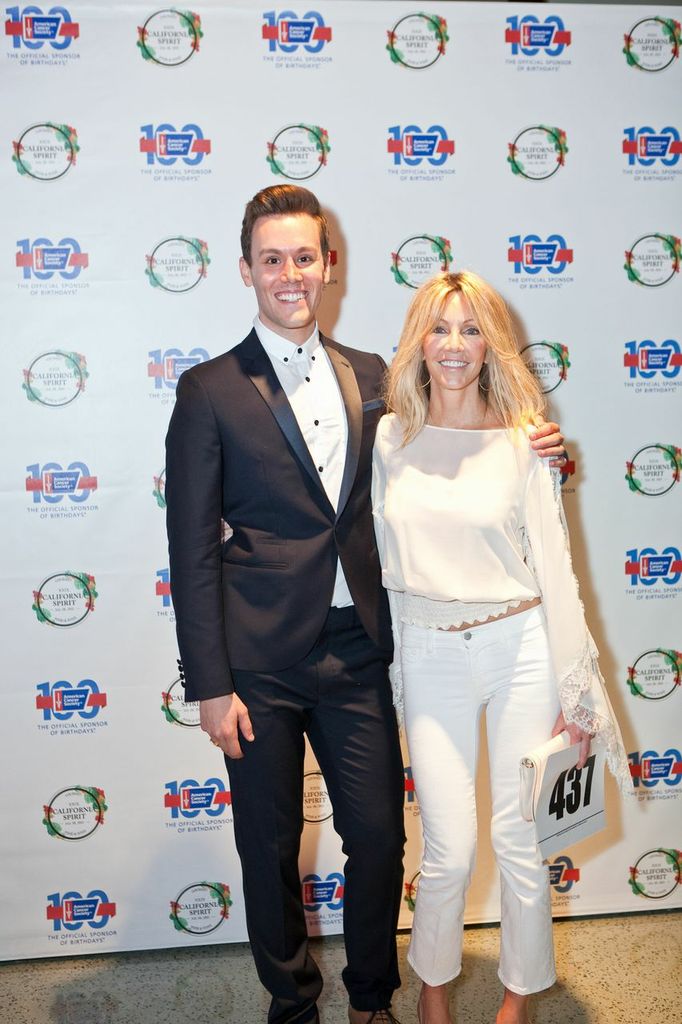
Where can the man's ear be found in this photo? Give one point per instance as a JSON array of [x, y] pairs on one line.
[[327, 269], [245, 271]]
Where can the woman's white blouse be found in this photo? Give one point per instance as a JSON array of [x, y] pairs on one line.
[[453, 507], [475, 516]]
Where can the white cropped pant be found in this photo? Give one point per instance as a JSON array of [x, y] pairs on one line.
[[448, 678]]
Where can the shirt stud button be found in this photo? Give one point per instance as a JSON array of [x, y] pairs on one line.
[[308, 379], [320, 469], [299, 350], [467, 635], [316, 422]]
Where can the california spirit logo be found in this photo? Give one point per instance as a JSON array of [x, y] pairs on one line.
[[653, 44], [418, 40], [653, 260], [46, 151], [654, 469], [75, 812], [411, 889], [420, 257], [56, 378], [159, 491], [65, 598], [201, 908], [169, 37], [176, 710], [656, 874], [298, 151], [655, 674], [538, 152], [316, 803], [178, 264], [549, 362]]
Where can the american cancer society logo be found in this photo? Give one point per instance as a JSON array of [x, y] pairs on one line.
[[75, 812], [196, 807], [201, 908], [656, 874], [65, 708], [166, 366], [653, 260], [654, 469], [420, 154], [293, 41], [71, 912], [41, 37], [651, 366], [49, 267], [298, 151], [417, 41], [45, 151], [655, 674], [536, 45], [420, 257], [653, 44], [65, 599], [169, 37], [323, 898], [50, 483], [654, 573], [539, 262], [652, 155], [177, 264], [55, 379], [537, 152], [649, 768]]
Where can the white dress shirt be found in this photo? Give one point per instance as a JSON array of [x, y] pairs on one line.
[[310, 384]]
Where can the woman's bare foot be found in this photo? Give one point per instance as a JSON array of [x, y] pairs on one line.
[[514, 1009], [432, 1005]]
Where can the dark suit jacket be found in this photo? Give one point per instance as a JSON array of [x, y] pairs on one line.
[[234, 451]]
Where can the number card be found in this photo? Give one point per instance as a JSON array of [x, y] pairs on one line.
[[570, 806]]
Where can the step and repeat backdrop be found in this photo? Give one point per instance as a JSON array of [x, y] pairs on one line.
[[537, 145]]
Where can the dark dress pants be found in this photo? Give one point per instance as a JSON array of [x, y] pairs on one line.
[[340, 696]]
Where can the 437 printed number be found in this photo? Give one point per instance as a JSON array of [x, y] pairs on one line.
[[572, 790]]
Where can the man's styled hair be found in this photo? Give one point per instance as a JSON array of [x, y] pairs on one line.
[[505, 382], [276, 201]]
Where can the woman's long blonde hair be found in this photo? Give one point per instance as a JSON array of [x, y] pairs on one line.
[[505, 382]]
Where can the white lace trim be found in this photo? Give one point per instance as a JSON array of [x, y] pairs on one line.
[[430, 614], [574, 685]]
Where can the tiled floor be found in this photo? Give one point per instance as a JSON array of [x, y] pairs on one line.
[[618, 970]]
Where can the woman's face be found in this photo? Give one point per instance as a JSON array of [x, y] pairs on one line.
[[455, 349]]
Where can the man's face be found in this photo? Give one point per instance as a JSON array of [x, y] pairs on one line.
[[287, 273]]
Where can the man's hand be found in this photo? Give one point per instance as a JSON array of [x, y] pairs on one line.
[[224, 718], [577, 736]]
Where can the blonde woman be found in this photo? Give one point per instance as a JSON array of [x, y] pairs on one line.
[[486, 614]]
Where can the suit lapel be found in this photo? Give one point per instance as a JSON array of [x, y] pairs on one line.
[[258, 367], [352, 400]]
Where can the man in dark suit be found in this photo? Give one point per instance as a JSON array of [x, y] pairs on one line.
[[284, 628]]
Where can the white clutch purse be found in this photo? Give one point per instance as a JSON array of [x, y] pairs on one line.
[[532, 770]]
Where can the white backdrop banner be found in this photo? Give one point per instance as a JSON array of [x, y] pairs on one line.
[[537, 145]]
